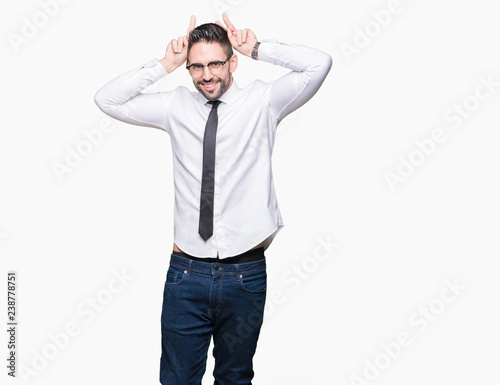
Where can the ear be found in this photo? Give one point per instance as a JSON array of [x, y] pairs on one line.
[[233, 63]]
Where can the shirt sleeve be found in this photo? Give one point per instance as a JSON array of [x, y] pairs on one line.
[[309, 69], [121, 98]]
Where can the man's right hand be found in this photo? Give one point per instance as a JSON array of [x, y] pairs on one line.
[[176, 53]]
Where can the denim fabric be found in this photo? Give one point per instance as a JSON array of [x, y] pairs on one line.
[[201, 300]]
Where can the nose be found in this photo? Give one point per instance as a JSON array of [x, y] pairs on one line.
[[207, 75]]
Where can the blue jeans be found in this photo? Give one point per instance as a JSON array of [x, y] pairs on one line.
[[201, 300]]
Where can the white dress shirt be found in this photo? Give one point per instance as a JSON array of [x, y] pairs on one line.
[[246, 210]]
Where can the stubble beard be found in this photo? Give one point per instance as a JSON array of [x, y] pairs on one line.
[[223, 85]]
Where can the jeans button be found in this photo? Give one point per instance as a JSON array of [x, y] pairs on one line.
[[216, 267]]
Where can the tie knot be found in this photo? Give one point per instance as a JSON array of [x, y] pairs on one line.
[[215, 103]]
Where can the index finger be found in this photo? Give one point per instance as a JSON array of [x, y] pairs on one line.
[[192, 24], [228, 23]]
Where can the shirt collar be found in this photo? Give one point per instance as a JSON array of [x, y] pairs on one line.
[[226, 97]]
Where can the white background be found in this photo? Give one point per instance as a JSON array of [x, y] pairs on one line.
[[396, 247]]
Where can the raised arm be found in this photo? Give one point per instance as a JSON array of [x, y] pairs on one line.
[[309, 67], [121, 98]]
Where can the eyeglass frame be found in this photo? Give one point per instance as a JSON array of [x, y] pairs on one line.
[[206, 65]]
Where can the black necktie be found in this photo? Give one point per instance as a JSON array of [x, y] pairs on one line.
[[207, 181]]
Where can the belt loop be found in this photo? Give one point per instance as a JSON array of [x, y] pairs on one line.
[[188, 268], [238, 275]]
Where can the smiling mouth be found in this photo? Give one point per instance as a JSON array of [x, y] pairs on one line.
[[209, 86]]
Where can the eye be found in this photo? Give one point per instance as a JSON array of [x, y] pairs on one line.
[[215, 64], [197, 66]]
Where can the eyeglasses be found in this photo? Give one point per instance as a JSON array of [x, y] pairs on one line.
[[215, 67]]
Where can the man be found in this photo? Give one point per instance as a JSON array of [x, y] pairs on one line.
[[226, 212]]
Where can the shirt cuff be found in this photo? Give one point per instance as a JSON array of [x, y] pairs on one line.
[[155, 69], [266, 48]]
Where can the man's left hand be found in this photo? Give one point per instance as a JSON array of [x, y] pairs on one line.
[[242, 40]]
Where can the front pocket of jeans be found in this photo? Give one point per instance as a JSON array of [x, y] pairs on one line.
[[254, 282], [175, 276]]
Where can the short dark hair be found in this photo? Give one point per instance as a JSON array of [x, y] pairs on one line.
[[210, 33]]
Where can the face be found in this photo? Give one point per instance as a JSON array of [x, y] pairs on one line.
[[210, 85]]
